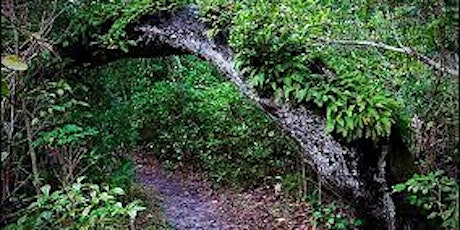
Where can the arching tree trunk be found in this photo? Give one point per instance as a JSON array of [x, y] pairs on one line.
[[356, 176]]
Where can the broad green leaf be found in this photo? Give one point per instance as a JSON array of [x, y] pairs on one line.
[[22, 220], [14, 62], [118, 191], [399, 187]]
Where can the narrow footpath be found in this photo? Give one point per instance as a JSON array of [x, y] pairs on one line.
[[190, 202]]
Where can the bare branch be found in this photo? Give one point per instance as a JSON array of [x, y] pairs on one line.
[[403, 49]]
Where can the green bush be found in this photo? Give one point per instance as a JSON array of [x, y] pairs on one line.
[[283, 49], [198, 118], [68, 144], [187, 114], [274, 52], [436, 193], [334, 216], [110, 89], [79, 206], [87, 18]]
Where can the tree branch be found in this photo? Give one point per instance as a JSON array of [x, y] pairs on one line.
[[404, 49]]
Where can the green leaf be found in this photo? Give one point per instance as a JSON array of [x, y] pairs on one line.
[[358, 222], [118, 191], [46, 215], [4, 156], [300, 95], [317, 214], [427, 206], [399, 187], [46, 189], [60, 92], [345, 132], [448, 213], [287, 81], [432, 215], [446, 188], [341, 225], [287, 91], [86, 210], [339, 120], [14, 62], [330, 124], [22, 220], [258, 79], [349, 123], [134, 210]]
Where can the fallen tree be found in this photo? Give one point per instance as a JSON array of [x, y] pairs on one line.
[[358, 178], [328, 73]]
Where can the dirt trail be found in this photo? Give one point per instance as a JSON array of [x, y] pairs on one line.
[[189, 202], [183, 209]]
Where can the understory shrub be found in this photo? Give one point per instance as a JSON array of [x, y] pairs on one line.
[[188, 115], [436, 193], [334, 216], [79, 206], [110, 89], [198, 118], [365, 83]]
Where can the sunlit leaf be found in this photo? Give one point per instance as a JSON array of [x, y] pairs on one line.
[[46, 189], [14, 62], [4, 156], [118, 191]]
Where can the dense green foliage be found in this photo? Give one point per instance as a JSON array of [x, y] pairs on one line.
[[189, 117], [276, 53], [49, 138], [332, 216], [287, 52], [187, 114], [293, 50], [89, 18], [358, 63], [203, 120], [78, 206], [436, 193]]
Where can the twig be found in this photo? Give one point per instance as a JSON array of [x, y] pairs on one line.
[[403, 49]]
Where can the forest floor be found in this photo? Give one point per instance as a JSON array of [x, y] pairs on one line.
[[186, 200]]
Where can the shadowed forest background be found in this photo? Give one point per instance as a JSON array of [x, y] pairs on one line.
[[100, 96]]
